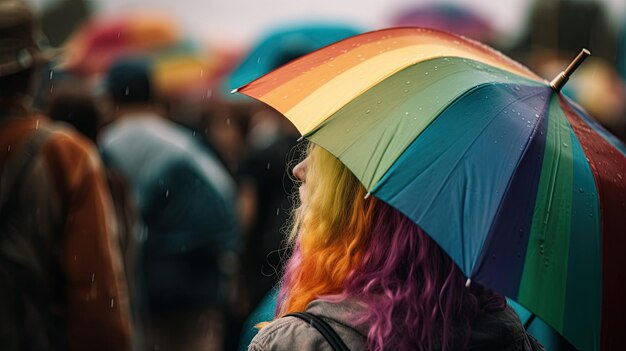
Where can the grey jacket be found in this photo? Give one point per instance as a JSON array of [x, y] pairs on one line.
[[491, 331]]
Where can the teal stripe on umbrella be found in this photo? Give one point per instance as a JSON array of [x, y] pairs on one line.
[[584, 272]]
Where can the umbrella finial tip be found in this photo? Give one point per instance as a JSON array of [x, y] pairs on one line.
[[468, 282], [234, 90], [300, 139], [367, 195], [559, 81]]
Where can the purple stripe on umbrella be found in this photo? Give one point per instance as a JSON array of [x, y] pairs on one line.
[[505, 247]]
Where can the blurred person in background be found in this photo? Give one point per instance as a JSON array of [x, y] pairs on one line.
[[73, 105], [61, 270], [186, 203]]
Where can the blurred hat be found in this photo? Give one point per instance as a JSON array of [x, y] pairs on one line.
[[19, 38]]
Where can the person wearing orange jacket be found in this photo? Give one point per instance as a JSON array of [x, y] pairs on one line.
[[62, 285]]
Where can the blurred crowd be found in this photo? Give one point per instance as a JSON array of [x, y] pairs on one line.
[[186, 187]]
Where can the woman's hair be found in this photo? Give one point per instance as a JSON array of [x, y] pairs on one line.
[[347, 246]]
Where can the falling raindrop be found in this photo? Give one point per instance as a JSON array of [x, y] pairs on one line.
[[37, 124], [167, 193], [228, 121], [9, 147], [112, 303], [277, 211], [51, 74], [267, 166]]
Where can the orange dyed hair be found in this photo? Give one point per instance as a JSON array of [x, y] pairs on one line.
[[330, 229]]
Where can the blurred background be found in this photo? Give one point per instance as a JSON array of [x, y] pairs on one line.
[[196, 52]]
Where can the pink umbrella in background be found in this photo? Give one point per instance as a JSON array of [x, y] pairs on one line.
[[446, 17], [181, 68]]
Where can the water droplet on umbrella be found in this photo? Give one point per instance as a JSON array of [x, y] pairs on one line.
[[368, 111], [419, 108], [406, 91], [425, 73], [581, 190], [495, 141], [408, 82], [536, 115], [406, 113], [378, 102], [565, 145]]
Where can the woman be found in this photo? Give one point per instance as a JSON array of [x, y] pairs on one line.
[[377, 279]]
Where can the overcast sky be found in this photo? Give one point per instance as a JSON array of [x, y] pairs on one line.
[[239, 22]]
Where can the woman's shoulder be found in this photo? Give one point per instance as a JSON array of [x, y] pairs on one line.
[[289, 333]]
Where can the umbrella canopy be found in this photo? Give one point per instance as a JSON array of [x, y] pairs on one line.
[[524, 191], [100, 42]]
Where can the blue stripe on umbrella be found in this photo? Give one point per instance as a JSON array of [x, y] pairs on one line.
[[508, 238], [452, 178]]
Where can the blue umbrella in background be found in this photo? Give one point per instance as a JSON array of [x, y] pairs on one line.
[[283, 45]]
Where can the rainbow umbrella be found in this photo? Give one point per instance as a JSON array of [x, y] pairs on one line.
[[521, 187]]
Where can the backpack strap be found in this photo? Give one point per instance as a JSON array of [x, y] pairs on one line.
[[324, 328], [16, 169]]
